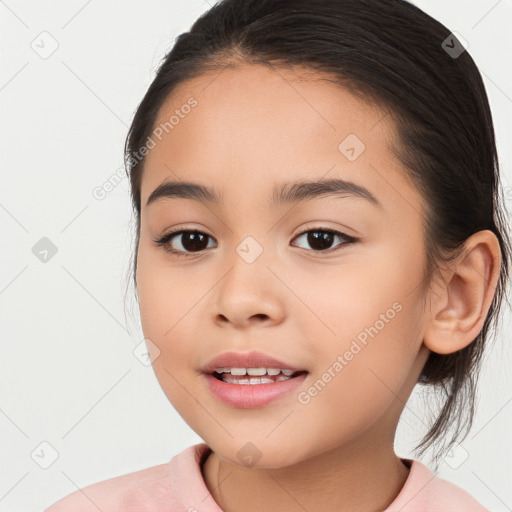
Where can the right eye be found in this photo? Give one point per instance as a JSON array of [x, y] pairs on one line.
[[189, 241]]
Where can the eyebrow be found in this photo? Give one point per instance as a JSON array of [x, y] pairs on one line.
[[281, 194]]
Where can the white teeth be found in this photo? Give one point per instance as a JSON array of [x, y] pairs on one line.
[[262, 380], [255, 371]]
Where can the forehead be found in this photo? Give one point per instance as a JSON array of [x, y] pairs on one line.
[[251, 127]]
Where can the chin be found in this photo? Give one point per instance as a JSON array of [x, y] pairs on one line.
[[264, 454]]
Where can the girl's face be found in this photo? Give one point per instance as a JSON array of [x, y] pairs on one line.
[[350, 313]]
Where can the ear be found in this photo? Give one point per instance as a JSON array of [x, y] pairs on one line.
[[464, 294]]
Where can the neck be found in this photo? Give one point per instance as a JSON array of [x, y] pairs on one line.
[[362, 477]]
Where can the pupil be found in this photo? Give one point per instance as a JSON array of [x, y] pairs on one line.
[[192, 241], [318, 239]]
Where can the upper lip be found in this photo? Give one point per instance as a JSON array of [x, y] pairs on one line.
[[252, 359]]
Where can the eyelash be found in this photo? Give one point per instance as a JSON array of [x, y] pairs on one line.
[[164, 241]]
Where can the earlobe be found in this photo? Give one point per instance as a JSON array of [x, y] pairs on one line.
[[464, 295]]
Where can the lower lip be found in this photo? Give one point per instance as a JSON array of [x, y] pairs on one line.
[[249, 396]]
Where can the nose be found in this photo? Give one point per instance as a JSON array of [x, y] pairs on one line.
[[249, 294]]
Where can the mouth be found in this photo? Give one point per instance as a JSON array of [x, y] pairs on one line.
[[253, 387], [255, 376]]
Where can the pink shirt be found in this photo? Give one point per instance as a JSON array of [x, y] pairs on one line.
[[178, 486]]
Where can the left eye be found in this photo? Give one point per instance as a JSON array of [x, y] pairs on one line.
[[192, 241], [319, 238]]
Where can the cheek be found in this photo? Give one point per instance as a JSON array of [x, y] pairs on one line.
[[163, 305], [356, 385], [366, 333], [167, 294], [170, 301], [359, 301]]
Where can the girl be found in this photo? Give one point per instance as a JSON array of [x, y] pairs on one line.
[[319, 229]]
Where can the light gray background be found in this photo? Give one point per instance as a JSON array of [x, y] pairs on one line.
[[69, 375]]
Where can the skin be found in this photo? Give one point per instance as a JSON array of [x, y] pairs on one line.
[[255, 127]]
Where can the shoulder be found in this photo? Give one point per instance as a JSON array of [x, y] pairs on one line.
[[150, 489], [425, 491], [130, 490]]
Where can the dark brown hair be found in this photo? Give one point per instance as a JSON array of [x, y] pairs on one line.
[[392, 54]]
